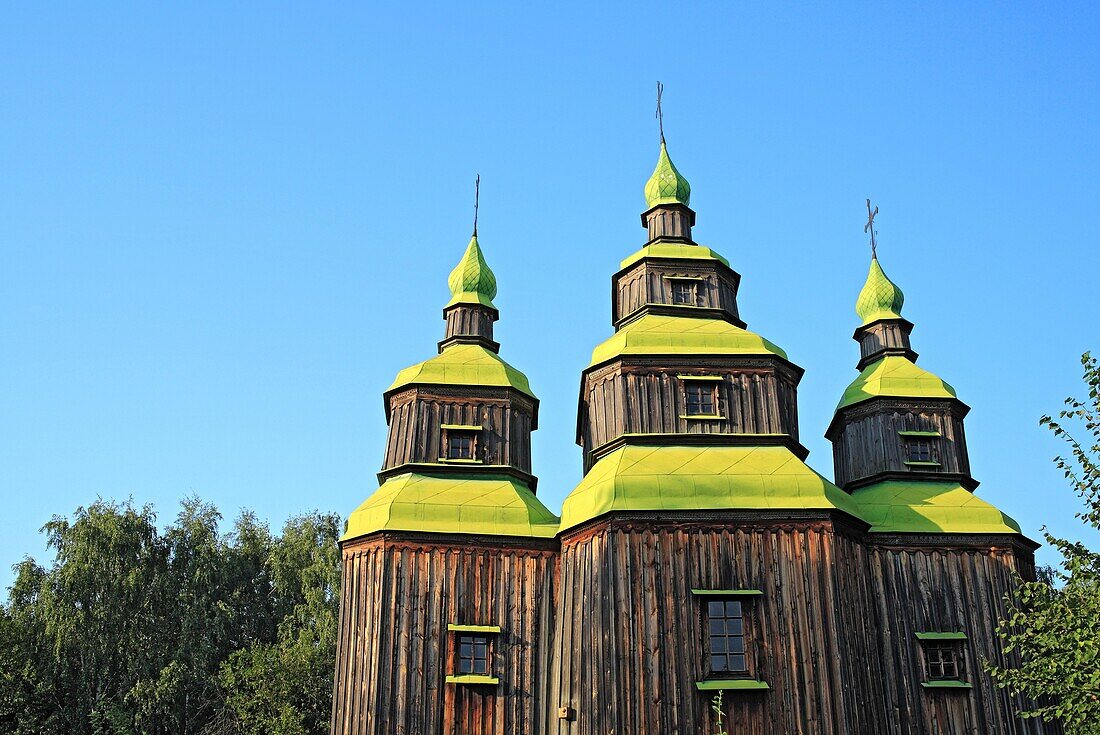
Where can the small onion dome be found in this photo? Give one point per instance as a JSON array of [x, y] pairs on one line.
[[880, 298], [472, 281], [666, 185]]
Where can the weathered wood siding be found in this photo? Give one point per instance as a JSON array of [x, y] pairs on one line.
[[631, 639], [879, 338], [868, 442], [946, 586], [394, 652], [649, 399], [469, 320], [649, 282], [416, 416]]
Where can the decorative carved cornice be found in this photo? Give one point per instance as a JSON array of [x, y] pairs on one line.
[[711, 312], [885, 404], [910, 475], [432, 468], [426, 541]]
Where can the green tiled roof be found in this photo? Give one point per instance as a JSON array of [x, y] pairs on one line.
[[666, 185], [880, 297], [929, 507], [664, 249], [473, 504], [472, 281], [700, 478], [464, 364], [659, 334], [896, 377]]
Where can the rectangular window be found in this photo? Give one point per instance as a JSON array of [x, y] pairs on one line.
[[943, 660], [473, 654], [460, 445], [699, 398], [726, 633], [684, 292]]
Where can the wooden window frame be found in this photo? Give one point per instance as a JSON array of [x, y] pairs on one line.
[[475, 639], [692, 286], [743, 600], [916, 458], [449, 432], [936, 663], [701, 385]]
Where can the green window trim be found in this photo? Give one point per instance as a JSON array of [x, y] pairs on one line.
[[710, 685], [683, 278], [946, 684], [703, 417], [726, 593], [472, 679], [700, 377], [915, 463], [946, 636], [447, 460], [473, 628], [461, 427], [920, 433]]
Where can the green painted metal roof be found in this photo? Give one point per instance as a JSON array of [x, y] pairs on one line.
[[701, 478], [897, 377], [880, 298], [666, 185], [670, 250], [464, 364], [660, 334], [929, 507], [496, 505], [472, 281]]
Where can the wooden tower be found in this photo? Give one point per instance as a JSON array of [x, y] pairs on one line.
[[699, 557]]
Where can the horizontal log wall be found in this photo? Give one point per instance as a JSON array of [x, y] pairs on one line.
[[415, 434], [393, 645], [631, 642], [946, 589], [651, 401], [870, 443], [649, 283]]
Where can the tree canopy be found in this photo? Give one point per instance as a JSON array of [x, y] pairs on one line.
[[1053, 625], [189, 629]]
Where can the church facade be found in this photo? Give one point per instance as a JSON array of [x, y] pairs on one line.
[[701, 576]]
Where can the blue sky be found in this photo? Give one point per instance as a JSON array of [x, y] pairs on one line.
[[225, 227]]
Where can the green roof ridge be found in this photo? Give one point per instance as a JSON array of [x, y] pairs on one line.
[[673, 250], [469, 503], [661, 334], [666, 185], [464, 364], [880, 297], [472, 281], [894, 376], [907, 506], [721, 477]]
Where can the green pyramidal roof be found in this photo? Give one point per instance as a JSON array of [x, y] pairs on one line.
[[472, 281], [482, 504], [666, 185], [659, 334], [929, 507], [701, 478], [880, 297], [894, 376], [464, 364]]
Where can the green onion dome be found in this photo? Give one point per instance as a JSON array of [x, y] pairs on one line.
[[880, 297], [666, 185], [472, 281]]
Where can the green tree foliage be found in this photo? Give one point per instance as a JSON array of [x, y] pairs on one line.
[[1054, 624], [133, 630]]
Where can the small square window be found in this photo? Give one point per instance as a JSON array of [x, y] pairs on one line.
[[943, 660], [461, 444], [700, 398], [919, 449], [726, 637], [684, 292], [473, 654]]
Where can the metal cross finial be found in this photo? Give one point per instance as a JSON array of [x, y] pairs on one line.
[[870, 227], [660, 116], [477, 198]]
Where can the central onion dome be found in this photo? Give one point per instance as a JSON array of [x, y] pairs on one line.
[[472, 281], [666, 185], [880, 297]]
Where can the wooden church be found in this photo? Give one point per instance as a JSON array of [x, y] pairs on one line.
[[701, 577]]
